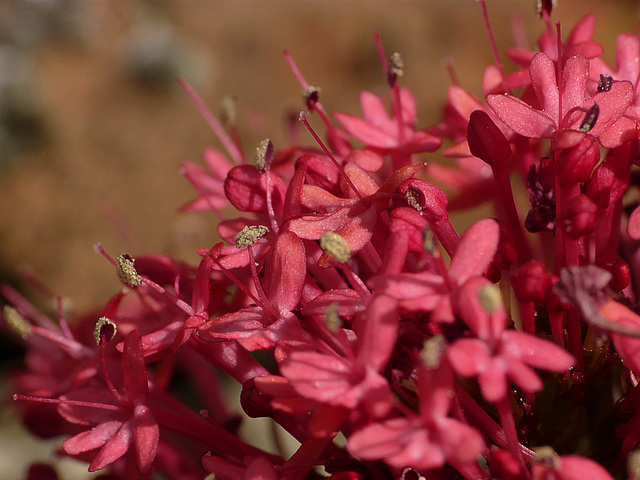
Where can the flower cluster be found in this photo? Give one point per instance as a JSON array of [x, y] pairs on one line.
[[355, 316]]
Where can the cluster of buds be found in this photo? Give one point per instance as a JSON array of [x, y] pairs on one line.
[[355, 316]]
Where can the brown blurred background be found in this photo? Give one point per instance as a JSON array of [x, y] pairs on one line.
[[93, 128]]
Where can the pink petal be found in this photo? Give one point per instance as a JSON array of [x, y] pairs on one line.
[[260, 469], [628, 57], [311, 227], [545, 85], [468, 356], [461, 443], [521, 118], [374, 111], [381, 440], [477, 247], [146, 434], [91, 439], [613, 104], [576, 75], [284, 272], [115, 448], [633, 226], [348, 303], [574, 467], [319, 377], [524, 377], [537, 352], [133, 369], [369, 134], [493, 381], [377, 335]]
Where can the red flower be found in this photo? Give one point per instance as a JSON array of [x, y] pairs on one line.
[[119, 421]]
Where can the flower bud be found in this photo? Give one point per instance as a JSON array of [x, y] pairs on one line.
[[486, 140], [531, 282], [579, 153], [578, 217], [619, 269]]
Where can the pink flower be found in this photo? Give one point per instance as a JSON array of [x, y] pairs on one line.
[[498, 356], [424, 441], [563, 103], [122, 421]]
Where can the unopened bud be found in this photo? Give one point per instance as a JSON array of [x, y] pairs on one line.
[[490, 298], [250, 235], [335, 245], [126, 270], [264, 154], [104, 327], [578, 216], [16, 322], [432, 351]]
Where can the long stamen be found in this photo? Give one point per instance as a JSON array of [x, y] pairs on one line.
[[492, 40], [231, 148], [303, 119]]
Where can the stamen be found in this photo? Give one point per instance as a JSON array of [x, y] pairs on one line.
[[545, 6], [413, 198], [126, 270], [16, 322], [104, 327], [250, 235], [590, 118], [335, 245]]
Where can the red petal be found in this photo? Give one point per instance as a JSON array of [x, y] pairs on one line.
[[133, 369], [475, 251], [146, 434], [486, 140], [284, 272], [377, 335], [520, 117], [545, 85], [369, 134], [115, 448], [91, 439], [537, 352]]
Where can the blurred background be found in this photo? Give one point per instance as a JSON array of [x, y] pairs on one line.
[[93, 127]]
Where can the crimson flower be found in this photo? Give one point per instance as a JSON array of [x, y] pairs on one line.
[[119, 420]]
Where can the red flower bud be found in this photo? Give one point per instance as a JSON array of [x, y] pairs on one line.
[[579, 154], [531, 282], [486, 140], [619, 269], [578, 217]]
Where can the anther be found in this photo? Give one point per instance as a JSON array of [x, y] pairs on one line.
[[16, 322], [250, 235], [490, 299], [396, 68], [590, 118], [229, 110], [126, 270], [104, 327], [332, 319], [413, 198], [264, 154], [335, 245], [311, 96], [432, 351], [606, 82]]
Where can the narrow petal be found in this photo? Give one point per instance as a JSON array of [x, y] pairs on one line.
[[378, 334], [476, 250], [285, 270], [134, 370], [521, 118], [545, 85], [91, 439], [537, 352], [365, 132], [115, 448], [146, 434]]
